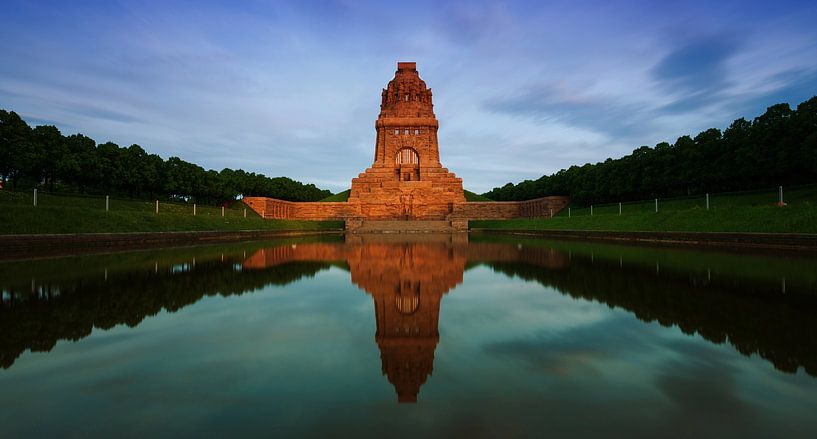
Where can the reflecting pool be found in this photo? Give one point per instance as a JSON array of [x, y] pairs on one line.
[[410, 336]]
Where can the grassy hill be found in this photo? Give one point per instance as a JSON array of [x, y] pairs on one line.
[[85, 214], [471, 196], [752, 211], [340, 196]]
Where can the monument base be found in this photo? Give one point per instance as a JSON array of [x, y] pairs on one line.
[[361, 225], [355, 212]]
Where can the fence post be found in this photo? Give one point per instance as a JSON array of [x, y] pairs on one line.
[[245, 212], [157, 206], [780, 191], [35, 197], [707, 201], [568, 212], [656, 205], [551, 213], [619, 207], [107, 202], [591, 210], [194, 209], [222, 211]]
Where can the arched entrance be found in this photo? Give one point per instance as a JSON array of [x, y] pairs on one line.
[[407, 164]]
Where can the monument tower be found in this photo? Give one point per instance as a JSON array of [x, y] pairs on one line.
[[406, 179]]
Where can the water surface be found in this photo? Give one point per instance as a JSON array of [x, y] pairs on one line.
[[410, 337]]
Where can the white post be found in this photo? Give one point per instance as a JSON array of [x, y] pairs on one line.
[[222, 210], [245, 212], [157, 206], [780, 190], [551, 213], [35, 197], [619, 207], [568, 212], [656, 205], [107, 202], [194, 209], [707, 201]]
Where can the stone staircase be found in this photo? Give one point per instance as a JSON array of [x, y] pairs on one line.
[[404, 226]]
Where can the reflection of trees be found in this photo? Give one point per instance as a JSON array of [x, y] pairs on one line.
[[407, 278], [70, 310], [778, 327]]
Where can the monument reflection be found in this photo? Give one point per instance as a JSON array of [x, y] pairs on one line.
[[761, 305], [407, 277]]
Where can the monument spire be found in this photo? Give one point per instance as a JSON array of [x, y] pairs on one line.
[[406, 179]]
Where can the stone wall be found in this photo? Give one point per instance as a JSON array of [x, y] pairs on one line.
[[325, 211], [545, 207], [272, 208], [484, 210]]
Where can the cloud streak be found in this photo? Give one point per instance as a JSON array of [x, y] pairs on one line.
[[292, 88]]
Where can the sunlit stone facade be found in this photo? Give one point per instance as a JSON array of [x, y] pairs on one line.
[[406, 180]]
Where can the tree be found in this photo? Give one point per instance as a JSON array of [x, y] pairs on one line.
[[50, 149], [777, 147]]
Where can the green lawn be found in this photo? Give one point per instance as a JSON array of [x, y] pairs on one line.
[[79, 214], [753, 211]]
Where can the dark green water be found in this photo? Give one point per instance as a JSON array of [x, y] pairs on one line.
[[419, 336]]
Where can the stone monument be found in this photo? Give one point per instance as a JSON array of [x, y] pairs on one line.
[[406, 179]]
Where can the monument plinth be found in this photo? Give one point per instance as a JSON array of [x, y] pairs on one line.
[[406, 179]]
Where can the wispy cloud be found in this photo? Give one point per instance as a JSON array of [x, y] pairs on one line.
[[292, 88], [695, 73]]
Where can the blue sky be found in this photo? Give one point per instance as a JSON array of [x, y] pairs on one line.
[[293, 88]]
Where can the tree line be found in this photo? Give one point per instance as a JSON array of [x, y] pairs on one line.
[[43, 157], [776, 148]]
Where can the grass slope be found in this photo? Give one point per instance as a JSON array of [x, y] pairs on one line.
[[470, 196], [77, 214], [340, 196], [753, 211]]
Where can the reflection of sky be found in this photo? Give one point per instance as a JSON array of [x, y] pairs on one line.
[[521, 88], [513, 358]]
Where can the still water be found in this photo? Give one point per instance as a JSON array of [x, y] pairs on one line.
[[480, 336]]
